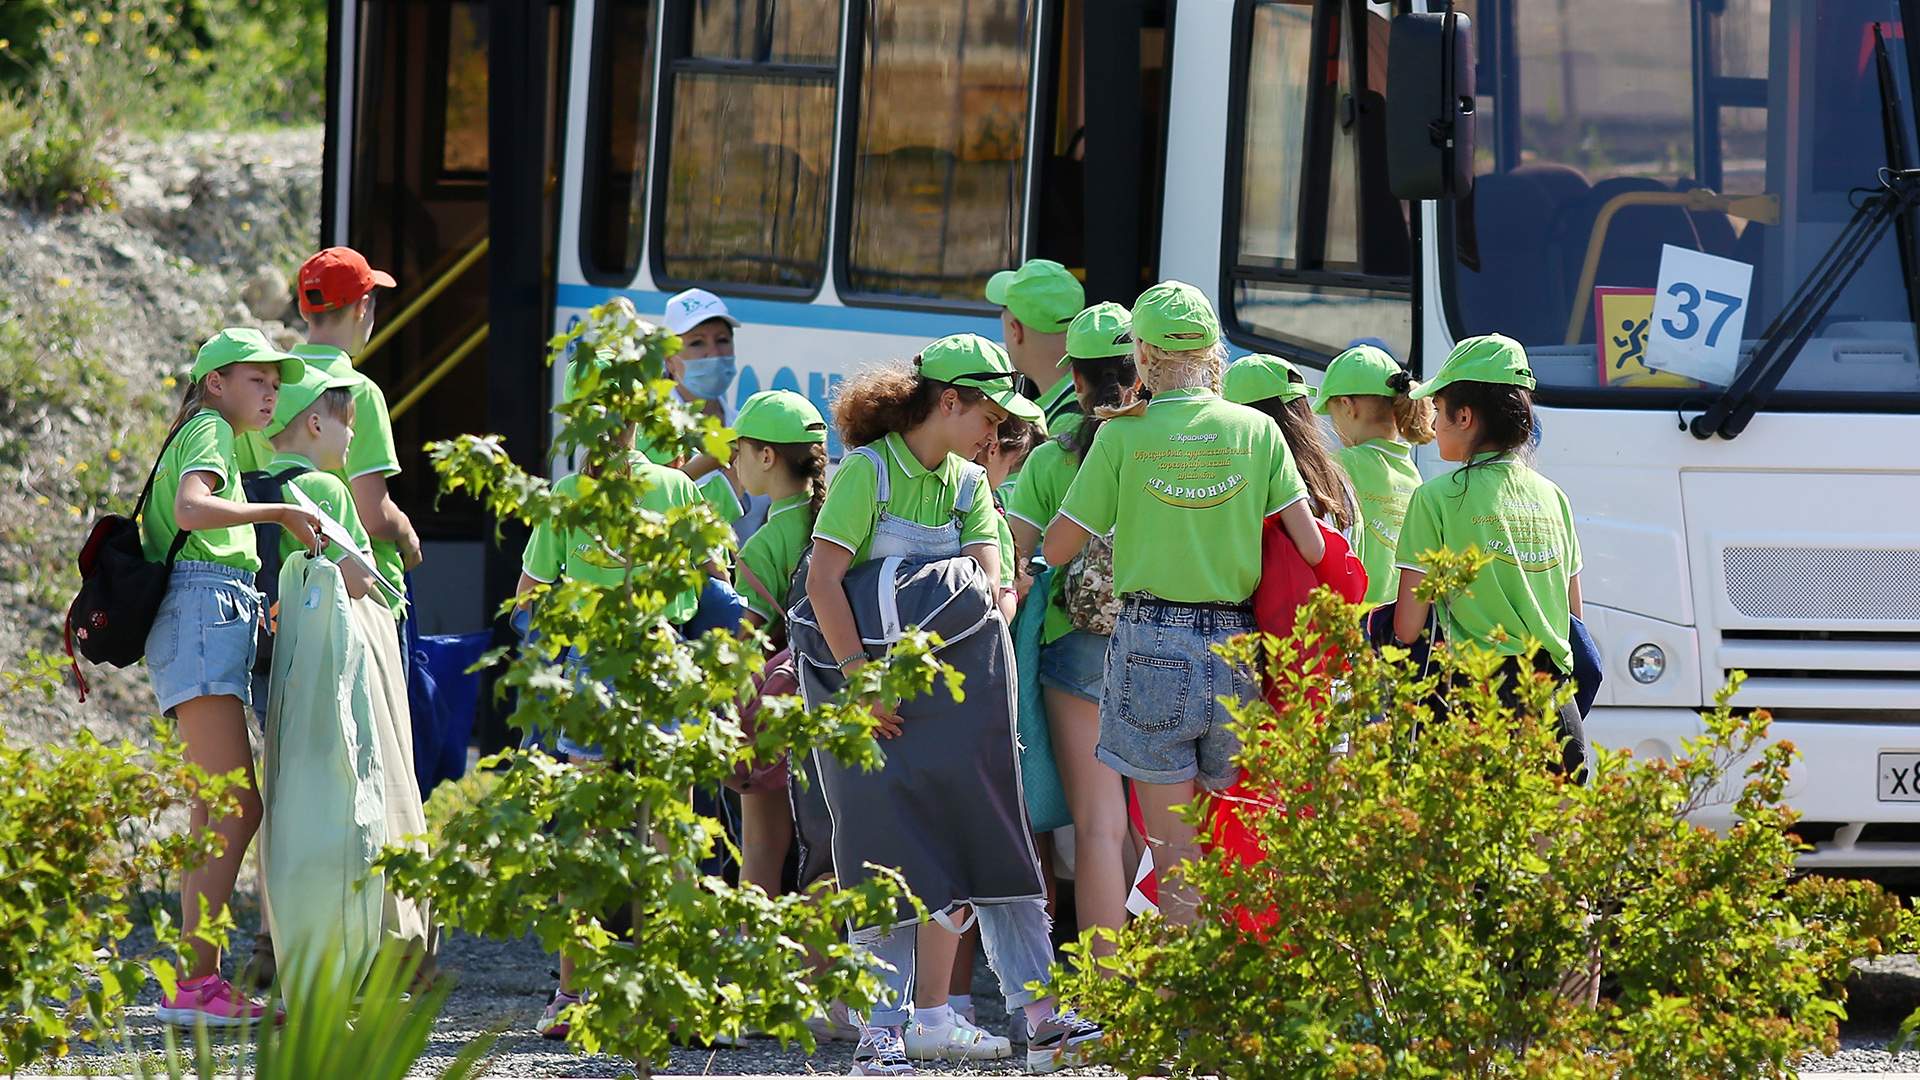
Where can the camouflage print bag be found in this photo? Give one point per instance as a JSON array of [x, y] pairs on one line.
[[1088, 595]]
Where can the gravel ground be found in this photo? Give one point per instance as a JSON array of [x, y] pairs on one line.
[[500, 986]]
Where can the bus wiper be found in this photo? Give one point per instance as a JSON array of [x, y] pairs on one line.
[[1787, 334]]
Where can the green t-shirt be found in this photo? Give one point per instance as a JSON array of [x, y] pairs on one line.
[[1006, 549], [372, 450], [1061, 408], [329, 493], [1524, 521], [1184, 489], [852, 508], [772, 553], [719, 494], [1035, 500], [204, 444], [578, 554], [1384, 478]]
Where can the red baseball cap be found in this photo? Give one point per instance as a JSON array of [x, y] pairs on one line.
[[336, 277]]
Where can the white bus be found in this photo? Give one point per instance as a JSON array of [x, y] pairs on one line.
[[847, 173]]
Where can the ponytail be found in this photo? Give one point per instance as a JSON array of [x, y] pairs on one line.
[[1412, 418], [191, 402], [1108, 381]]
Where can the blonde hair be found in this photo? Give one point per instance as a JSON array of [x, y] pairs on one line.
[[1168, 369], [191, 402]]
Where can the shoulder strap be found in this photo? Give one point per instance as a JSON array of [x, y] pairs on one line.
[[747, 575], [971, 477], [882, 487], [147, 489]]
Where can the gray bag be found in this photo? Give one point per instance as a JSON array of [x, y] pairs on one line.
[[947, 809]]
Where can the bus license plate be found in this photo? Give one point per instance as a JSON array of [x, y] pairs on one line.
[[1900, 777]]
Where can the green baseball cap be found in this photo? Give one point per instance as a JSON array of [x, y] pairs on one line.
[[297, 397], [1176, 316], [1262, 377], [1491, 358], [780, 416], [1042, 294], [1103, 330], [1362, 371], [245, 345], [972, 361]]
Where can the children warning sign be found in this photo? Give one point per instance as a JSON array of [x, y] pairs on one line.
[[1621, 318]]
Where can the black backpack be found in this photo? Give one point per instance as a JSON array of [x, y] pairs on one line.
[[120, 590], [265, 487]]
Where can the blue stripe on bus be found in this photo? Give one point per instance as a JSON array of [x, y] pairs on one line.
[[754, 312]]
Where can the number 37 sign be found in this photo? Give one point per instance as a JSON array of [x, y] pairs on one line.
[[1699, 311]]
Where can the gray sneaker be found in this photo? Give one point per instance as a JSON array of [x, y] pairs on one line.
[[1060, 1042], [880, 1053]]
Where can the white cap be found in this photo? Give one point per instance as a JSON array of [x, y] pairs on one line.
[[686, 310]]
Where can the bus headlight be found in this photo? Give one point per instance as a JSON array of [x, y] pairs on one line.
[[1647, 663]]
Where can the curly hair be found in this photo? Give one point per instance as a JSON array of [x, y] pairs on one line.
[[1167, 369], [872, 404]]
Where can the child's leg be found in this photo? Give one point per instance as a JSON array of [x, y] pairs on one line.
[[893, 952], [933, 964], [215, 731], [1172, 842], [1098, 802], [1018, 940], [961, 984], [768, 827]]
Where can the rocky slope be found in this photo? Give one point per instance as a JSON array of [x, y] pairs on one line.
[[99, 315]]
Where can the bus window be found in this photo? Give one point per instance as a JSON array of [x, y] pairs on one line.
[[745, 167], [620, 119], [1738, 128], [939, 170], [1320, 246]]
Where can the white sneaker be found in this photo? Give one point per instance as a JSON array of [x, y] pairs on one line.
[[834, 1025], [880, 1054], [957, 1041]]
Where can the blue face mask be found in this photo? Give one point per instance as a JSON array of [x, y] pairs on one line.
[[710, 377]]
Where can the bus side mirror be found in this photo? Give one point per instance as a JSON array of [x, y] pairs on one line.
[[1430, 106]]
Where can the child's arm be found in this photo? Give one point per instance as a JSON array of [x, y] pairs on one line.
[[826, 587], [1064, 540], [358, 580], [1297, 519], [700, 466], [1026, 539], [1410, 614], [1575, 606], [196, 506]]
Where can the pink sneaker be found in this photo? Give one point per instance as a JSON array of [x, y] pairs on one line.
[[212, 1001]]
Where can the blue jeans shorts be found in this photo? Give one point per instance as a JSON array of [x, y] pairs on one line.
[[720, 608], [1075, 664], [204, 635], [1161, 721]]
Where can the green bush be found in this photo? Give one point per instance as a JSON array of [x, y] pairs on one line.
[[1431, 894], [79, 840], [704, 958]]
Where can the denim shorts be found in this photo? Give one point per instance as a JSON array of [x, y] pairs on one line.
[[204, 635], [1075, 664], [1161, 721]]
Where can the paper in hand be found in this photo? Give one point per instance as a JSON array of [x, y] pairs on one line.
[[337, 534]]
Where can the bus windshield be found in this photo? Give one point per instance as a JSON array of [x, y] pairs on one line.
[[1618, 141]]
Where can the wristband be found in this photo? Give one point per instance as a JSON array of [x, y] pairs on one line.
[[842, 663]]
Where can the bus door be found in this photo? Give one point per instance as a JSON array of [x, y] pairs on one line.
[[409, 155]]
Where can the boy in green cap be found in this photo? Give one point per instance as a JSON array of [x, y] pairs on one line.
[[311, 433], [1184, 484], [1368, 397], [1037, 301], [1496, 502]]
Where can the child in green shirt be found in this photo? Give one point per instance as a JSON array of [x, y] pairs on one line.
[[1073, 661], [1275, 387], [1369, 399], [1184, 483], [201, 646], [1496, 502], [781, 456]]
